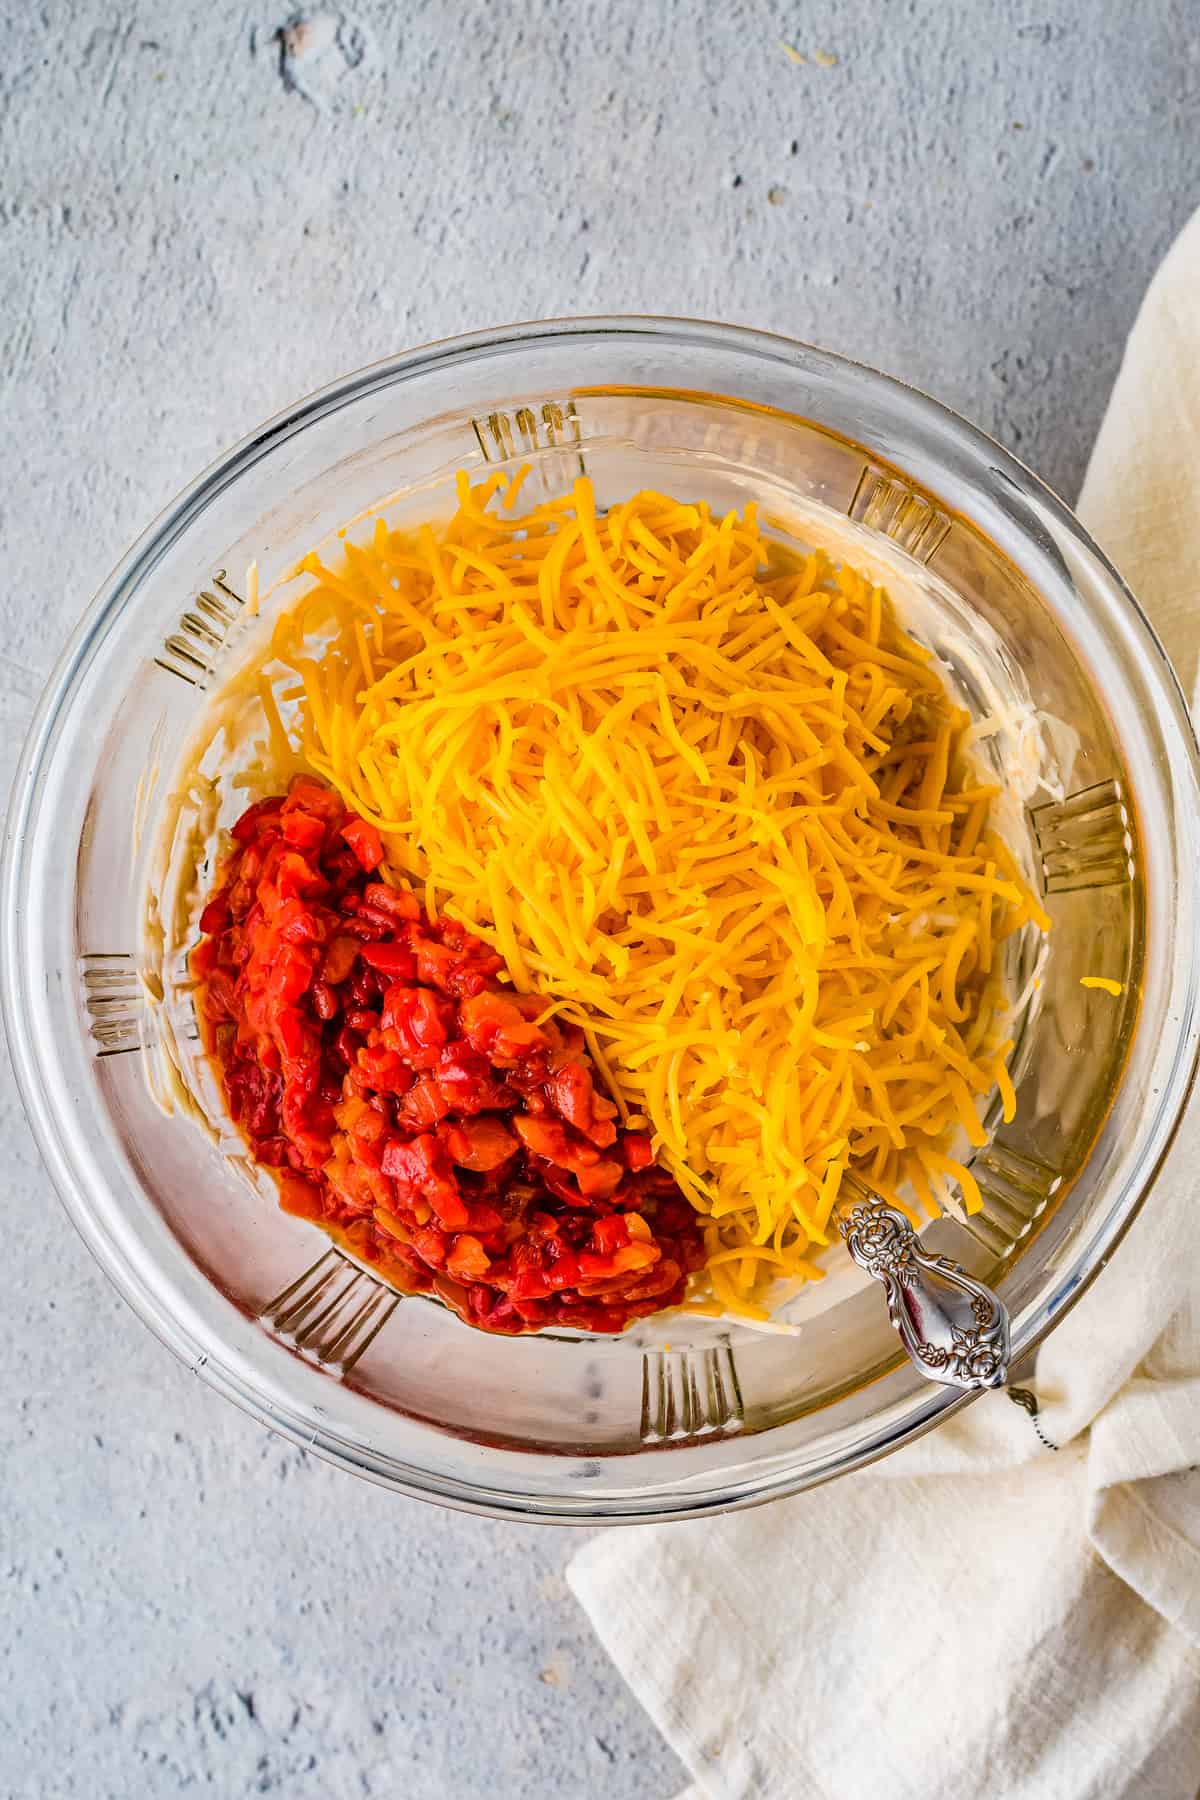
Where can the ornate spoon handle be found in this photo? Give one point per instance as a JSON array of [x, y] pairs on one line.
[[954, 1328]]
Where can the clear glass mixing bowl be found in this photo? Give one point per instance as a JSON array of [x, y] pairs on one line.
[[686, 1415]]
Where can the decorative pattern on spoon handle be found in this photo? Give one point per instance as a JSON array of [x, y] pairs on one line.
[[954, 1328]]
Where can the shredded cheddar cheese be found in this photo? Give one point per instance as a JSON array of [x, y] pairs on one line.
[[708, 798], [1104, 982]]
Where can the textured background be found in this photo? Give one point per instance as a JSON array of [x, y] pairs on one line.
[[208, 208]]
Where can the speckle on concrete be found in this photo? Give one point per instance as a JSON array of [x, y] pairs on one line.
[[206, 209]]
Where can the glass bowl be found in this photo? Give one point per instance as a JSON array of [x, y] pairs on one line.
[[685, 1415]]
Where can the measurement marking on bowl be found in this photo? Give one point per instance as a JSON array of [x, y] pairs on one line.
[[331, 1313], [114, 999], [503, 436], [1085, 841], [1016, 1189], [193, 649], [690, 1394], [888, 506]]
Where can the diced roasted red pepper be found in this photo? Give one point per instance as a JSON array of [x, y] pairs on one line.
[[296, 1195], [419, 1022], [484, 1220], [365, 842], [431, 1244], [493, 1024], [296, 878], [421, 1169], [395, 962], [383, 1069], [216, 916], [256, 818], [610, 1233], [311, 796], [468, 1259], [301, 829], [482, 1144], [396, 901], [545, 1137], [636, 1150], [289, 1028], [425, 1103], [290, 975], [410, 1104], [573, 1096]]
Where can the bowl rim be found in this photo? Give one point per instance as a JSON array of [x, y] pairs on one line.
[[122, 585]]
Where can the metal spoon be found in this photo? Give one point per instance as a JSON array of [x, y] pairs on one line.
[[954, 1329]]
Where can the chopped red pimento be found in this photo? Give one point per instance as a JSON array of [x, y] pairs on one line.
[[424, 1104], [397, 901], [571, 1092], [364, 840], [611, 1233], [296, 1195], [636, 1150], [216, 916], [304, 831], [396, 961], [480, 1144], [468, 1259], [411, 1105]]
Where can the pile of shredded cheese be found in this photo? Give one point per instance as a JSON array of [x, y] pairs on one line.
[[705, 795]]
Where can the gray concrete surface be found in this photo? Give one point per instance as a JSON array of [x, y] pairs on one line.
[[203, 214]]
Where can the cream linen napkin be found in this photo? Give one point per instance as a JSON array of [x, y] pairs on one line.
[[979, 1616]]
